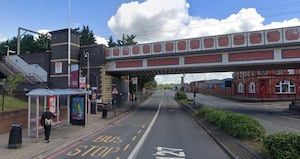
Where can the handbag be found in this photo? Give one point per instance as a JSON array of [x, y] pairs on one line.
[[48, 122]]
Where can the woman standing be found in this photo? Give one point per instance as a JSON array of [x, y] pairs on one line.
[[46, 122]]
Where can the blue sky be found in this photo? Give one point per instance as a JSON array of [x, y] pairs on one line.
[[151, 20]]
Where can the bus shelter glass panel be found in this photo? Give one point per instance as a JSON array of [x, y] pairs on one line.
[[36, 109]]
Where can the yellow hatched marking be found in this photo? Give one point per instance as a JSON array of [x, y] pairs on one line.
[[133, 138], [139, 131], [126, 147], [143, 126]]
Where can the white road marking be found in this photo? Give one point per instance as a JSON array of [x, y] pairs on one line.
[[266, 121], [138, 146], [297, 130]]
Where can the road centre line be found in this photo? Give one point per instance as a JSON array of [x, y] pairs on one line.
[[138, 146]]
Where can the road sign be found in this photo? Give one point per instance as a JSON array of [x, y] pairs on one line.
[[115, 91], [134, 80]]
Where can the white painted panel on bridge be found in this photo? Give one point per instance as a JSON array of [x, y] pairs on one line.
[[291, 34], [273, 36]]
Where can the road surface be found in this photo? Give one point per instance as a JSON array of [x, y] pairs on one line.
[[158, 129]]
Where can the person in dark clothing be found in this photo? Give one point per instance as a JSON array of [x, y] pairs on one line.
[[46, 122]]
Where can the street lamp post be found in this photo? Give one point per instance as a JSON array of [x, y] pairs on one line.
[[87, 55], [7, 52]]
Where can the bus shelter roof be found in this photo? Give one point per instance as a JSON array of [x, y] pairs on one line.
[[56, 92]]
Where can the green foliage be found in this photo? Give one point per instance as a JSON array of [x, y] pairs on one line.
[[143, 82], [111, 42], [181, 95], [166, 86], [150, 85], [242, 126], [86, 36], [28, 44], [125, 41], [282, 145], [11, 83], [237, 125], [17, 103], [42, 43], [128, 40]]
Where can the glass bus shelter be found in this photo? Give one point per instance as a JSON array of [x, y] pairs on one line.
[[39, 99]]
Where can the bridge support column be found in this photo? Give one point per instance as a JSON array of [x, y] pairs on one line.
[[106, 86]]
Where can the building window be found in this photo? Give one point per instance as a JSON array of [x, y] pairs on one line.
[[291, 71], [285, 87], [240, 88], [252, 87], [263, 72], [279, 72]]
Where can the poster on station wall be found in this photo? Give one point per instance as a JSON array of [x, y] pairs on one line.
[[82, 82], [58, 67], [52, 104], [74, 75]]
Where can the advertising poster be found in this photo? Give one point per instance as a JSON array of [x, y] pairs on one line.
[[58, 67], [74, 75], [77, 108], [52, 104]]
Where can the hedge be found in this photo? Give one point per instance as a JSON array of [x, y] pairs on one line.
[[236, 125], [282, 145], [181, 95]]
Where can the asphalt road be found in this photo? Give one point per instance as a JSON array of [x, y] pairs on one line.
[[272, 115], [158, 129]]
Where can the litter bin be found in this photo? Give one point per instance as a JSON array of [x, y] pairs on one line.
[[93, 107], [104, 111], [15, 136]]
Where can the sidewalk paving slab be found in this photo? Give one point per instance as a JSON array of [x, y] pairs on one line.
[[62, 135]]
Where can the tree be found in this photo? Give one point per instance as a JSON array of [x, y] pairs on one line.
[[87, 36], [27, 44], [129, 40], [42, 43], [11, 83], [150, 85], [111, 42]]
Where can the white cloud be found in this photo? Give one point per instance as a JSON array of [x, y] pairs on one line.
[[168, 79], [101, 40], [157, 20], [41, 31], [2, 38]]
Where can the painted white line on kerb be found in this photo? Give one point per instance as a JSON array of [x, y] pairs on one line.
[[138, 146], [266, 121], [297, 130]]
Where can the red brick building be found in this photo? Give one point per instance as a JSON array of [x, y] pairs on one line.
[[266, 84]]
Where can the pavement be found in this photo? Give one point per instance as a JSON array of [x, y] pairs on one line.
[[62, 135]]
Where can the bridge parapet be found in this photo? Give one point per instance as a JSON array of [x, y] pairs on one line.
[[253, 39]]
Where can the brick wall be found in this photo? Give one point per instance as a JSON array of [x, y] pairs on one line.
[[7, 118]]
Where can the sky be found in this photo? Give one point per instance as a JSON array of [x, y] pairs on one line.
[[150, 20]]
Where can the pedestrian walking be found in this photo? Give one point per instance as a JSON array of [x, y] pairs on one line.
[[46, 122]]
